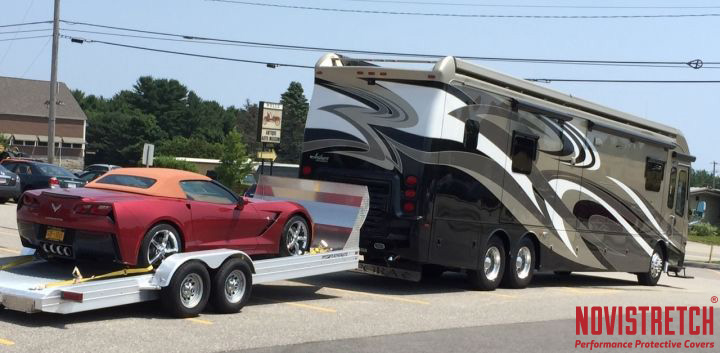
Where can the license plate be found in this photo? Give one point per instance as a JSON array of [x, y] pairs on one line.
[[55, 234], [72, 186]]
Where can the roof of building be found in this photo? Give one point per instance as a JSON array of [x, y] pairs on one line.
[[704, 190], [30, 98], [167, 181]]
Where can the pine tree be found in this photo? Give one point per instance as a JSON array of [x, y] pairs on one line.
[[235, 163], [295, 110]]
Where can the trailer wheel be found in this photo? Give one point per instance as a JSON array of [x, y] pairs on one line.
[[520, 265], [188, 291], [231, 286], [652, 276], [492, 267]]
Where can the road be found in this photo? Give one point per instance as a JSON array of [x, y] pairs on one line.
[[353, 312]]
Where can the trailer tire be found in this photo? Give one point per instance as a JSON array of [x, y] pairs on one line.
[[520, 265], [652, 276], [188, 291], [493, 265], [231, 286]]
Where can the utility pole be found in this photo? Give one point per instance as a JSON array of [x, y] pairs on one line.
[[713, 174], [53, 84]]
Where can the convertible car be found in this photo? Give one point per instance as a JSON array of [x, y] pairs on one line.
[[139, 216]]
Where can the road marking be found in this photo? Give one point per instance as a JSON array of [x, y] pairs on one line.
[[5, 342], [10, 251], [299, 305], [389, 297], [509, 296], [599, 291], [199, 321]]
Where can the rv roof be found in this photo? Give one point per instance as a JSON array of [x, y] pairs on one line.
[[450, 68]]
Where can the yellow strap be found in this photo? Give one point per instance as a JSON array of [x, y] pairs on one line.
[[120, 273], [21, 260]]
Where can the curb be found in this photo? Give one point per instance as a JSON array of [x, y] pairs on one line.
[[702, 265]]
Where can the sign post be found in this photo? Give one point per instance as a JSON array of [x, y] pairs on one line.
[[148, 154], [269, 129]]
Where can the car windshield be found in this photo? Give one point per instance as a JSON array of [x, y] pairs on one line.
[[127, 180], [53, 170], [3, 169], [88, 176]]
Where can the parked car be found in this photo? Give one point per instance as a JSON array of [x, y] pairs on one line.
[[9, 185], [139, 216], [39, 175], [101, 167], [89, 176]]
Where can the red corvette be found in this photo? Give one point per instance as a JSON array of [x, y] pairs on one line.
[[139, 216]]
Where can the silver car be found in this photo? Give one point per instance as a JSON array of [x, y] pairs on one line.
[[9, 185]]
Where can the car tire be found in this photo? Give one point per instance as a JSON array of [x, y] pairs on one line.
[[492, 267], [231, 286], [652, 276], [3, 200], [153, 244], [188, 291], [520, 265], [292, 243]]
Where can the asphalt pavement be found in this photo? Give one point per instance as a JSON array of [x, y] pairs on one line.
[[353, 312]]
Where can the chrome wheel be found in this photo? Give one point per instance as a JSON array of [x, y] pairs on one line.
[[523, 262], [656, 265], [492, 263], [235, 286], [296, 238], [162, 244], [191, 290]]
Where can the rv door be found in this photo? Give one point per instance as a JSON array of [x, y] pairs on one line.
[[678, 188]]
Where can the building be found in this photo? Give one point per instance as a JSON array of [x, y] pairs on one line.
[[712, 204], [24, 121]]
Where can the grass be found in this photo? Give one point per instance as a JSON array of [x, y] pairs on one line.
[[708, 239]]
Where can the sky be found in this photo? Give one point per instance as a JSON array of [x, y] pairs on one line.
[[105, 70]]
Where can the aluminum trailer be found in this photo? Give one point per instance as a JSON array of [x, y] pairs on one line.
[[185, 282]]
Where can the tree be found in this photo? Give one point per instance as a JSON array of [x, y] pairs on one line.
[[189, 147], [246, 122], [295, 110], [118, 137], [172, 163], [235, 163], [702, 178]]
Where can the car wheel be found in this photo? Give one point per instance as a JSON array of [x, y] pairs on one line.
[[231, 286], [490, 274], [160, 242], [3, 200], [652, 276], [295, 238], [188, 291], [520, 265]]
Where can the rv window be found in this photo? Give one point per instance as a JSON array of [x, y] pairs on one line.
[[681, 193], [654, 171], [671, 190], [470, 139], [524, 151]]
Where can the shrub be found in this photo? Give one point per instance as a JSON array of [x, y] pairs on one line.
[[703, 229], [172, 163]]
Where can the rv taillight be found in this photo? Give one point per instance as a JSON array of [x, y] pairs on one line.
[[306, 170], [410, 194], [409, 207], [54, 183], [411, 181]]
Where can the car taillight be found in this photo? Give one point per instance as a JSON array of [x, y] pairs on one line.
[[54, 183], [93, 209], [306, 170]]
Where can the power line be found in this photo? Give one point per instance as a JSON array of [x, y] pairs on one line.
[[22, 38], [267, 63], [25, 24], [277, 64], [697, 63], [9, 48], [465, 4], [550, 80], [378, 12], [27, 31], [32, 63]]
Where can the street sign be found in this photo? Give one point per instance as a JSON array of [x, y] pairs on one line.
[[269, 122], [267, 155], [148, 154]]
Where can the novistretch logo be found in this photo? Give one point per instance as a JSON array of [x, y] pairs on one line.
[[644, 321]]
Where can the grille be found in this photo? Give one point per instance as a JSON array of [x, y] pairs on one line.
[[376, 223]]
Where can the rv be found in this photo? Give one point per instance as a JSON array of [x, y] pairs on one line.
[[473, 170]]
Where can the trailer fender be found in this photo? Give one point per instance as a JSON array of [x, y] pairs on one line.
[[213, 259]]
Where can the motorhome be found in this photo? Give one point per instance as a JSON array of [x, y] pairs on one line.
[[473, 170]]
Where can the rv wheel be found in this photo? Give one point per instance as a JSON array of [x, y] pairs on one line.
[[520, 265], [492, 266], [652, 276]]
